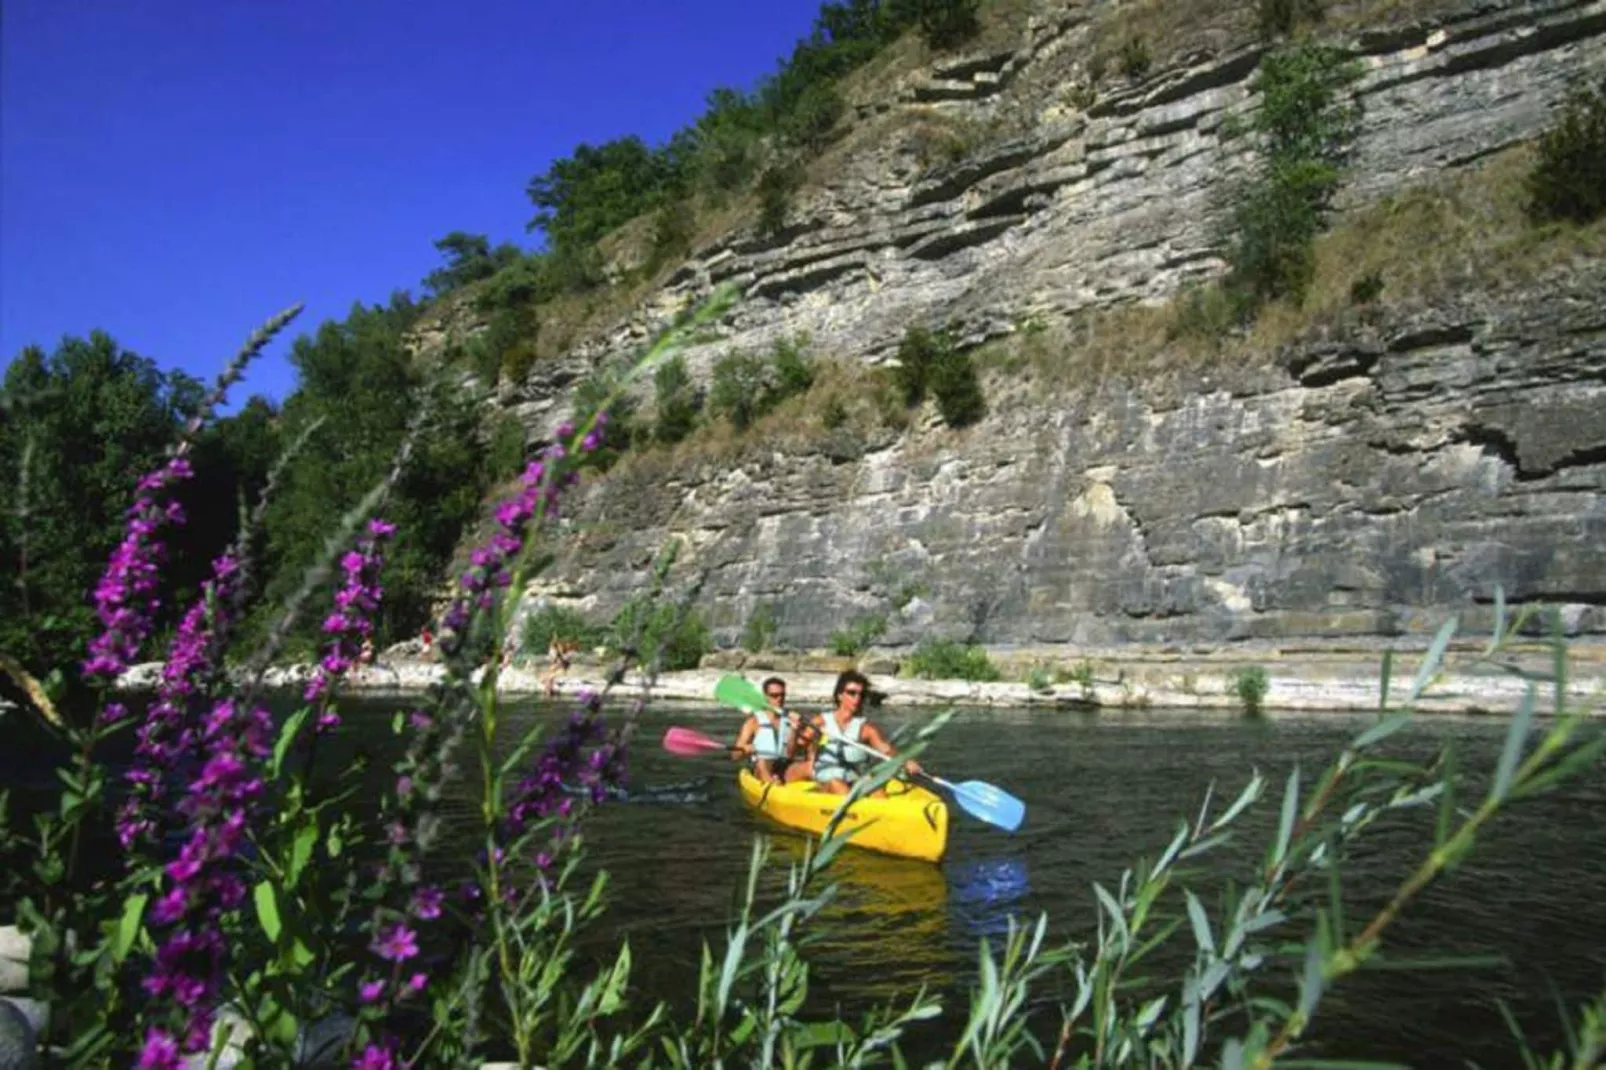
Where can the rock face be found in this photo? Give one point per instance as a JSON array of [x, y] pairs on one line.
[[1360, 486]]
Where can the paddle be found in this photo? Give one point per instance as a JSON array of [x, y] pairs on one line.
[[980, 799], [685, 743]]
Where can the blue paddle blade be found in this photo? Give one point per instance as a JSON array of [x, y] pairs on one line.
[[990, 804]]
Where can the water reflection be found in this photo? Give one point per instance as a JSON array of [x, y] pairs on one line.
[[886, 930], [986, 893]]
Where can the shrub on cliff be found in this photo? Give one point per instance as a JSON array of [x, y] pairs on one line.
[[943, 23], [1302, 133], [930, 362], [1569, 178]]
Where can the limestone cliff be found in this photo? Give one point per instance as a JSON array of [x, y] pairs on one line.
[[1358, 479]]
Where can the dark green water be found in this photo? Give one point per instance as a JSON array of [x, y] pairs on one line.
[[1101, 791]]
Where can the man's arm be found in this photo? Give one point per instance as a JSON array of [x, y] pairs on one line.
[[744, 738]]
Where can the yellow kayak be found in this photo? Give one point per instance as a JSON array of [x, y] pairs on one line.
[[911, 822]]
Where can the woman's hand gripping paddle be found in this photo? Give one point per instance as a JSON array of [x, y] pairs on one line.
[[984, 801]]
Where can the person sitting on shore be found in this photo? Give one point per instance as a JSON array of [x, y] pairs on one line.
[[836, 764], [770, 740], [558, 652]]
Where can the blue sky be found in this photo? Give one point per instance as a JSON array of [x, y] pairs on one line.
[[176, 171]]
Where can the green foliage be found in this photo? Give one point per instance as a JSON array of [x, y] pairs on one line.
[[738, 388], [930, 361], [680, 636], [582, 197], [746, 386], [469, 258], [1303, 132], [1569, 177], [1279, 18], [775, 188], [858, 635], [560, 623], [945, 659], [80, 424], [360, 380], [677, 401], [1250, 684], [1135, 58], [759, 631], [943, 23]]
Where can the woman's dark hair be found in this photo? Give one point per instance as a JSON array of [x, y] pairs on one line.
[[850, 677]]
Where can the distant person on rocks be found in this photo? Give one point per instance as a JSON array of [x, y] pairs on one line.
[[559, 652], [837, 765], [771, 740]]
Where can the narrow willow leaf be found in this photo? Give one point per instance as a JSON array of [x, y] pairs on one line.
[[1499, 620], [267, 905], [1209, 843], [1200, 923], [1381, 730], [1285, 825], [1382, 961], [1341, 1064], [128, 926], [1430, 663], [1190, 1028], [287, 736], [1246, 798], [1232, 1054], [1171, 851], [301, 851], [1578, 759], [1117, 919], [1511, 753], [1311, 982], [1446, 816], [1385, 677]]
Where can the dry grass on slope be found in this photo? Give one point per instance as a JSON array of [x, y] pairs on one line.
[[1465, 232]]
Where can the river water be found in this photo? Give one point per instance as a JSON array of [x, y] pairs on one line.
[[1102, 790]]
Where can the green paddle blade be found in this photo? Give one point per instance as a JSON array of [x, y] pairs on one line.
[[738, 691]]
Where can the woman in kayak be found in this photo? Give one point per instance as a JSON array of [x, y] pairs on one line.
[[771, 740], [836, 764]]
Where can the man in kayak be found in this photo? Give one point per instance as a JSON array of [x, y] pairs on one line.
[[836, 764], [771, 740]]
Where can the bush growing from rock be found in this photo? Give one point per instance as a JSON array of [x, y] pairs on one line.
[[1569, 178]]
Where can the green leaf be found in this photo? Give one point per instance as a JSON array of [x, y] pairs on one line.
[[301, 852], [1285, 825], [1200, 923], [1381, 730], [335, 843], [821, 1035], [1511, 753], [267, 904], [1430, 663], [1385, 677], [287, 736], [1247, 797], [128, 925]]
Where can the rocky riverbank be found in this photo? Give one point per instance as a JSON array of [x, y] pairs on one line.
[[1305, 678]]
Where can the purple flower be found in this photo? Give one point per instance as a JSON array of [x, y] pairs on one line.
[[159, 1053], [370, 991], [374, 1057], [398, 944], [356, 603], [201, 883], [168, 734], [427, 903], [125, 597]]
